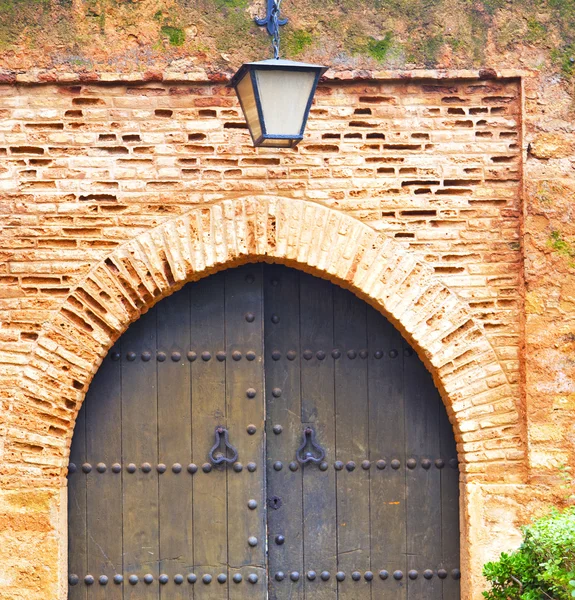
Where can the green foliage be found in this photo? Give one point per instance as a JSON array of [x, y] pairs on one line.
[[562, 247], [378, 49], [297, 41], [176, 35], [542, 567]]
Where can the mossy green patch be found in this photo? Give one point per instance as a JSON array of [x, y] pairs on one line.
[[558, 244], [18, 17], [414, 10], [564, 58], [491, 6], [425, 50], [235, 31], [455, 43], [296, 41], [357, 43], [232, 3], [226, 27], [175, 35], [430, 48], [536, 31], [379, 49], [479, 30], [12, 5], [511, 32], [564, 17]]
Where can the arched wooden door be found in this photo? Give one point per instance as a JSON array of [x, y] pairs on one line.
[[345, 484]]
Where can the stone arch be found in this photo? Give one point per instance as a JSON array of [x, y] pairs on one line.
[[479, 399]]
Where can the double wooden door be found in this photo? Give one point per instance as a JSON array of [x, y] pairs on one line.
[[263, 434]]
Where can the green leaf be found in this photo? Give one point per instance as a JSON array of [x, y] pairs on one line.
[[544, 563]]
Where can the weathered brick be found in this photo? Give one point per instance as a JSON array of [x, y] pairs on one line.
[[407, 192]]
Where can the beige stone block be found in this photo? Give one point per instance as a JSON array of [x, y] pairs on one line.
[[553, 145]]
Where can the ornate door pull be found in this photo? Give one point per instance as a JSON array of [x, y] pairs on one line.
[[221, 457], [307, 457]]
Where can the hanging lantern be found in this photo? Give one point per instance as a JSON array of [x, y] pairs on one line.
[[276, 95]]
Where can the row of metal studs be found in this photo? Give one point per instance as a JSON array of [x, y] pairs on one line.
[[279, 576], [147, 468], [163, 579], [250, 355], [177, 356], [368, 575], [338, 465]]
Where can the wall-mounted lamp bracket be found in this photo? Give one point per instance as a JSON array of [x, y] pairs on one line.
[[272, 22], [268, 20]]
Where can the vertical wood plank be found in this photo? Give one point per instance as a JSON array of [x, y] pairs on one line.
[[387, 444], [352, 441], [208, 411], [77, 518], [175, 444], [318, 410], [244, 370], [104, 497], [283, 406], [449, 507], [423, 484], [139, 447]]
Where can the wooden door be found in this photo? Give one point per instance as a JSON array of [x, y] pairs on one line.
[[345, 484], [377, 516]]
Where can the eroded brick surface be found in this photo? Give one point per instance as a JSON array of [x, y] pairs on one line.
[[114, 195], [435, 165]]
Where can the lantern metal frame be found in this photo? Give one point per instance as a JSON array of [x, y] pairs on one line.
[[249, 69]]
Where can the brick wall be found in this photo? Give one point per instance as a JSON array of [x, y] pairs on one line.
[[434, 165], [113, 195]]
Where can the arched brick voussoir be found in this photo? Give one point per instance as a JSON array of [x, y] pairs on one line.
[[318, 240]]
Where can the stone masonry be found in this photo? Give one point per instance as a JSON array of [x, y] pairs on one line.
[[410, 192]]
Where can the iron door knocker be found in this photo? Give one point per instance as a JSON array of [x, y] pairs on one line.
[[221, 457], [308, 457]]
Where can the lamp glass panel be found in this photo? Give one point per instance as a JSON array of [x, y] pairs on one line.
[[245, 91], [284, 95], [276, 143]]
